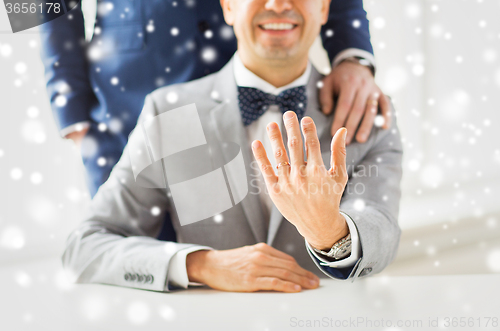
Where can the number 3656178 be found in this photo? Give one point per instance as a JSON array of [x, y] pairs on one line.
[[32, 8]]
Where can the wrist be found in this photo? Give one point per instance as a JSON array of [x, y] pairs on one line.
[[330, 238], [196, 265], [360, 63]]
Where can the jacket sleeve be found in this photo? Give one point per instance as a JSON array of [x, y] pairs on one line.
[[347, 28], [116, 242], [371, 199], [63, 52]]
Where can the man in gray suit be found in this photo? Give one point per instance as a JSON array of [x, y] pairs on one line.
[[274, 230]]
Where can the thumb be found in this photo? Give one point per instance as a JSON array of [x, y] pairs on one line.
[[338, 150]]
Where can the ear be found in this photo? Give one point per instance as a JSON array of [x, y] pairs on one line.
[[227, 10], [325, 10]]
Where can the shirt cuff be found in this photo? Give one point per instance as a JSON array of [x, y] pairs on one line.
[[355, 248], [350, 52], [177, 272], [74, 128]]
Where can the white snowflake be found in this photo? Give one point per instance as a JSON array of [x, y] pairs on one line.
[[36, 178], [20, 68], [138, 312], [218, 218], [379, 23], [16, 174], [42, 210], [155, 211], [359, 204], [208, 34], [208, 54], [167, 312], [101, 161], [413, 10], [94, 306], [226, 32], [5, 50], [12, 238], [23, 279], [174, 31], [172, 97], [32, 112], [104, 8]]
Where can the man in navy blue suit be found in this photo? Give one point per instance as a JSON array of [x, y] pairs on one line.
[[97, 89]]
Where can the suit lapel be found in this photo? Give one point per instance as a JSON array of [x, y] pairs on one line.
[[229, 128]]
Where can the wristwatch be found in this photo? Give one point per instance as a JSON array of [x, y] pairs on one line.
[[362, 61], [340, 249]]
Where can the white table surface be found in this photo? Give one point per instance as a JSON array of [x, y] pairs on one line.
[[36, 296]]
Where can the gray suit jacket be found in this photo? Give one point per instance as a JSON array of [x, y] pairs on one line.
[[116, 243]]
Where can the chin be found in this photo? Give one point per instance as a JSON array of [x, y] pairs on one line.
[[276, 52]]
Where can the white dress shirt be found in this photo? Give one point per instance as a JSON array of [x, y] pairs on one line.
[[257, 131]]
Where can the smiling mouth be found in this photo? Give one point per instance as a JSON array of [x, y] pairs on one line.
[[277, 26]]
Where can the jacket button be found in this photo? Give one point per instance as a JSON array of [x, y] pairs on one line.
[[127, 277], [140, 278], [133, 277], [203, 26]]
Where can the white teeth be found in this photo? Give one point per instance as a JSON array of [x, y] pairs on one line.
[[278, 26]]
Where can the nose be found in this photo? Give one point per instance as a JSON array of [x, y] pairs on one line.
[[279, 6]]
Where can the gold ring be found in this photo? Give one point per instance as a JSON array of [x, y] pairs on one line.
[[282, 164], [374, 102]]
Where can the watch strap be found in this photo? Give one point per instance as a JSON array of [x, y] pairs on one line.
[[344, 244]]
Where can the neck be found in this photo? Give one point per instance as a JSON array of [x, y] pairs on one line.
[[276, 72]]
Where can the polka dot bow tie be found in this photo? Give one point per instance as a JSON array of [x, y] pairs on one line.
[[254, 102]]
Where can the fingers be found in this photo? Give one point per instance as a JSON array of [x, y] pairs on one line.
[[290, 276], [276, 284], [326, 95], [284, 268], [290, 267], [263, 247], [385, 108], [368, 119], [294, 139], [338, 160], [312, 142], [274, 134], [265, 166], [356, 113], [344, 104]]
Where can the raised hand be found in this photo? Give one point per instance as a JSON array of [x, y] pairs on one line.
[[306, 193]]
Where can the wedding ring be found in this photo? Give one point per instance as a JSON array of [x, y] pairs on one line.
[[374, 102], [282, 164]]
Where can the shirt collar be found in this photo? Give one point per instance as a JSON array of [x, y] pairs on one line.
[[246, 78]]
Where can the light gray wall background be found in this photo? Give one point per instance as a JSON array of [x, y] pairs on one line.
[[438, 60]]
